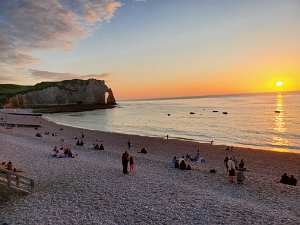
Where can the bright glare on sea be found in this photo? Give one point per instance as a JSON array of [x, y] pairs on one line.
[[269, 121]]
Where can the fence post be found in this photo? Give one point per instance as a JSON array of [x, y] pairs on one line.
[[31, 185], [8, 179], [17, 180]]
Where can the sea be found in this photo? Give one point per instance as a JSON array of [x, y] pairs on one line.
[[269, 121]]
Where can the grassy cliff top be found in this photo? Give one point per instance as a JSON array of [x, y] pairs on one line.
[[12, 89]]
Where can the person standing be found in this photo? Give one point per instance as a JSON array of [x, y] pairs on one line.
[[131, 165], [129, 144], [231, 169], [225, 163], [125, 159]]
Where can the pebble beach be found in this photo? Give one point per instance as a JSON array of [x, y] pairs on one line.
[[91, 188]]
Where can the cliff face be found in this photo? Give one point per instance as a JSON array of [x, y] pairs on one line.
[[67, 92]]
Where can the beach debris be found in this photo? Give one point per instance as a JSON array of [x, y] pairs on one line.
[[192, 113], [212, 171], [225, 113], [215, 111]]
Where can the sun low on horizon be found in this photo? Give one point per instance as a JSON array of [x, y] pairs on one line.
[[279, 83]]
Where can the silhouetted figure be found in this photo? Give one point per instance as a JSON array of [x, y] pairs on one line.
[[125, 159], [285, 179], [82, 135], [177, 164], [131, 164], [225, 163], [293, 181], [101, 147], [242, 166], [182, 165], [144, 151], [240, 177], [129, 144], [174, 160]]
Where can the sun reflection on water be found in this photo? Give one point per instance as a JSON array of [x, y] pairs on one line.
[[279, 123]]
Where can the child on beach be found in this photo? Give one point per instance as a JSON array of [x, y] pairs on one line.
[[240, 177], [131, 163]]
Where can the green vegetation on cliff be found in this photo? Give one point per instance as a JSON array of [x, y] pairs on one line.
[[9, 90]]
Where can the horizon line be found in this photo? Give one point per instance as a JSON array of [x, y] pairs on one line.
[[209, 96]]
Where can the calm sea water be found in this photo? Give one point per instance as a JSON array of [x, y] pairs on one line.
[[251, 120]]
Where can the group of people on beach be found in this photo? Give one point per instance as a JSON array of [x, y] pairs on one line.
[[99, 147], [181, 162], [125, 160], [63, 152], [285, 179], [9, 166], [234, 168]]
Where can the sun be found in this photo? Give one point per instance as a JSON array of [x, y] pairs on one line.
[[279, 83]]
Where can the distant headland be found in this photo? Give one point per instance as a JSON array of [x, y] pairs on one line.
[[64, 96]]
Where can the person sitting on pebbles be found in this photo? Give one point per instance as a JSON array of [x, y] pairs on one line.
[[101, 147], [144, 151], [79, 143], [70, 154], [55, 152], [184, 166], [198, 158], [3, 165], [10, 167]]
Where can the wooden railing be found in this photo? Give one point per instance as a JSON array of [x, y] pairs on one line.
[[16, 181]]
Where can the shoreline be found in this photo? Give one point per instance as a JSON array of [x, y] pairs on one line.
[[92, 189], [250, 147]]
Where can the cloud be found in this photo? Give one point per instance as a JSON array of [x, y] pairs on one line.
[[8, 79], [28, 25], [54, 76]]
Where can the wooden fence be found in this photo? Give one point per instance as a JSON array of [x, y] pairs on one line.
[[16, 181]]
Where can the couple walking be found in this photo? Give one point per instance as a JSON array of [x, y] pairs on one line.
[[125, 160]]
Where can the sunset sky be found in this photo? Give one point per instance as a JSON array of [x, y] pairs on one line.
[[153, 48]]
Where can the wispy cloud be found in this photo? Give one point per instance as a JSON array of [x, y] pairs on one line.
[[28, 25], [54, 76]]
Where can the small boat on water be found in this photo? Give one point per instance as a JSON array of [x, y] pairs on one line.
[[215, 111], [225, 113], [192, 113], [277, 111]]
